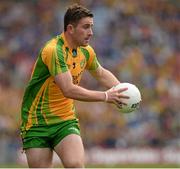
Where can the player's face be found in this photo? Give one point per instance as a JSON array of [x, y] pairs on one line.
[[83, 31]]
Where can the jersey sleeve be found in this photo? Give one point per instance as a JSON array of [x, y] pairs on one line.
[[53, 57], [92, 61]]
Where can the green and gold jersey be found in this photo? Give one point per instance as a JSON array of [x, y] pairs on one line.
[[43, 101]]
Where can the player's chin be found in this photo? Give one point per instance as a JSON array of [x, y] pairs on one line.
[[85, 44]]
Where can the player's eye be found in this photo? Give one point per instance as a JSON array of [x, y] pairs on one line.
[[87, 26]]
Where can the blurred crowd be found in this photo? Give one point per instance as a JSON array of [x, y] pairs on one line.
[[137, 40]]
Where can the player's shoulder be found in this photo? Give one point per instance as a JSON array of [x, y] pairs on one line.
[[51, 44], [88, 49]]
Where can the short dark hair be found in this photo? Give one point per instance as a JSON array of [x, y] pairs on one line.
[[74, 13]]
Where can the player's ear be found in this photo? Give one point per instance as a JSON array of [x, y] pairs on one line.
[[70, 28]]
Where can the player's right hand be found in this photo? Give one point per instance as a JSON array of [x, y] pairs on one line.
[[116, 96]]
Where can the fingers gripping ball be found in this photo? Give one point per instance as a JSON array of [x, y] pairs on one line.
[[134, 98]]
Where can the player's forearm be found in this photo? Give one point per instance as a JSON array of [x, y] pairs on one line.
[[64, 82], [107, 79], [82, 94]]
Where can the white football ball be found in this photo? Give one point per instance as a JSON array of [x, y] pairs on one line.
[[134, 98]]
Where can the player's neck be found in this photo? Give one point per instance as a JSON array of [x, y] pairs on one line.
[[70, 41]]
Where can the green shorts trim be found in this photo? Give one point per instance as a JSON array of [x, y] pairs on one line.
[[49, 136]]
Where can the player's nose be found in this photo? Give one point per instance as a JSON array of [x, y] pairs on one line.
[[90, 32]]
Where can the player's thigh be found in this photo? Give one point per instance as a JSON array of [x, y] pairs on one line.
[[39, 157], [71, 151]]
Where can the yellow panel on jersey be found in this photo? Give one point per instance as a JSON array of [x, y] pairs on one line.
[[44, 102]]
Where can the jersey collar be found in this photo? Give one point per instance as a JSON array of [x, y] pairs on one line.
[[71, 50]]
